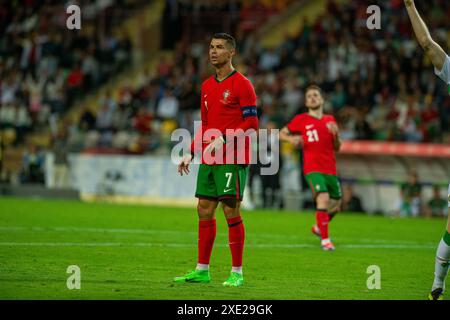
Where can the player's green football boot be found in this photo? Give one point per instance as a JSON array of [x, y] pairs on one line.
[[436, 294], [235, 280], [196, 276]]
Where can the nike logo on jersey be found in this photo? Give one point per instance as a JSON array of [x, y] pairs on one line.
[[227, 190], [309, 126]]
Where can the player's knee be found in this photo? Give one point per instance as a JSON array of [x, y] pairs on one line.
[[335, 206], [230, 208], [205, 210], [323, 200]]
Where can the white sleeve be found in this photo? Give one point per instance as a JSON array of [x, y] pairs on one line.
[[444, 74]]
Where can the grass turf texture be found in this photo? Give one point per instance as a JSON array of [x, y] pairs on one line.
[[133, 252]]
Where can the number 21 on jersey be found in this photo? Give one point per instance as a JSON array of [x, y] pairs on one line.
[[313, 136]]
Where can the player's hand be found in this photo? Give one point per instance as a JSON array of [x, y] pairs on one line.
[[215, 144], [333, 128], [296, 140], [183, 167]]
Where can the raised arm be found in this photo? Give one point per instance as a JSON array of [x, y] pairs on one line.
[[286, 136], [434, 52]]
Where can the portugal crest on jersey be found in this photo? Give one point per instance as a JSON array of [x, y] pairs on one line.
[[226, 94]]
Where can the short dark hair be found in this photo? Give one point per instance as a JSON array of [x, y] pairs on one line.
[[313, 87], [229, 39]]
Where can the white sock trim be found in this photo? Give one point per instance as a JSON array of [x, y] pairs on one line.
[[236, 269], [201, 266]]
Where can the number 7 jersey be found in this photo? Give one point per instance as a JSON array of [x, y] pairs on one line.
[[318, 148]]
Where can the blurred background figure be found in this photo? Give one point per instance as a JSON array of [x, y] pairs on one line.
[[410, 202], [350, 201], [437, 205], [33, 166], [60, 151], [271, 185]]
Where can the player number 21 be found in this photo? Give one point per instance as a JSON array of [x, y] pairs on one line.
[[312, 135]]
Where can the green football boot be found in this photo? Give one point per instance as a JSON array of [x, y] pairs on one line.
[[436, 294], [235, 280], [197, 276]]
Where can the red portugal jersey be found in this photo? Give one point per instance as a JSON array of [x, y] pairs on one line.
[[318, 149], [228, 104]]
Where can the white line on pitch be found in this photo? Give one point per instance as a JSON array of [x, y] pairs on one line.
[[147, 244], [150, 231]]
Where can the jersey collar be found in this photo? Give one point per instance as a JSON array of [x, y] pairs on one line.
[[219, 81], [315, 117]]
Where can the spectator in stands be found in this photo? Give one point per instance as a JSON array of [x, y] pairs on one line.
[[350, 202], [22, 122], [7, 115], [168, 105], [87, 120], [189, 103], [142, 121], [33, 165], [271, 186], [362, 128], [54, 93], [338, 97], [60, 150], [105, 116], [410, 202], [75, 81], [437, 205]]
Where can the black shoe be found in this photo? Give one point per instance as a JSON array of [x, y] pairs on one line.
[[436, 294]]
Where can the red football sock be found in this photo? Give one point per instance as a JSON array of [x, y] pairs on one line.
[[322, 219], [206, 237], [236, 236]]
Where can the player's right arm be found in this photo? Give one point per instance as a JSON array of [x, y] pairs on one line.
[[197, 142], [434, 52], [290, 133]]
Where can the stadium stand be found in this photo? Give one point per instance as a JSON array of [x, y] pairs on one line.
[[378, 84], [374, 88]]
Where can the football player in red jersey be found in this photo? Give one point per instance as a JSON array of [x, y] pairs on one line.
[[228, 103], [318, 135]]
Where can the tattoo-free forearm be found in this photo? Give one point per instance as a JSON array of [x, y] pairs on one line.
[[337, 143]]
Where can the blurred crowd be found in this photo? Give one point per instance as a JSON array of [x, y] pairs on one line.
[[378, 83], [187, 20], [45, 68]]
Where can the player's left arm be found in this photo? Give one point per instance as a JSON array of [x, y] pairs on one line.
[[247, 102], [334, 129]]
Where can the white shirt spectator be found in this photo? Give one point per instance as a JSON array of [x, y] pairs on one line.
[[269, 60], [444, 74], [168, 107], [8, 92], [22, 117], [7, 114]]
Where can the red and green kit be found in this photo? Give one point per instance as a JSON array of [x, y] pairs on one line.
[[319, 165], [226, 104]]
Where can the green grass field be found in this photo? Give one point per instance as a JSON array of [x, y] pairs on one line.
[[133, 252]]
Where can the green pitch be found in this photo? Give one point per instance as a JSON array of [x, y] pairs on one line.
[[134, 252]]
